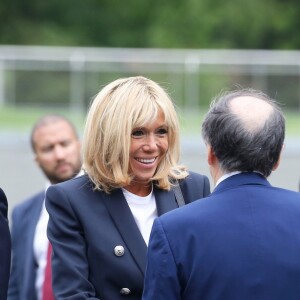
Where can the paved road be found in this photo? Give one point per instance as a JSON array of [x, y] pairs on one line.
[[20, 177]]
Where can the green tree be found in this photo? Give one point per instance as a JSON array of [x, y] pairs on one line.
[[255, 24]]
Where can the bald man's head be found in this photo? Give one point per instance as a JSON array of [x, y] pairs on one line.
[[252, 112], [245, 129]]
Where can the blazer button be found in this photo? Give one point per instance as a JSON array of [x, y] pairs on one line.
[[119, 250], [125, 291]]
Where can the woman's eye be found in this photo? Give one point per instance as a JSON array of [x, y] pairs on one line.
[[162, 131], [137, 133]]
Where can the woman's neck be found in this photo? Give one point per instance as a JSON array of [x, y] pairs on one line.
[[139, 189]]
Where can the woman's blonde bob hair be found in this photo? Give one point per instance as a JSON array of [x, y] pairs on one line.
[[120, 107]]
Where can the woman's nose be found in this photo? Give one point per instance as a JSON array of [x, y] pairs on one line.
[[150, 142]]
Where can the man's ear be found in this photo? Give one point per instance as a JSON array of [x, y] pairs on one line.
[[211, 157], [279, 159]]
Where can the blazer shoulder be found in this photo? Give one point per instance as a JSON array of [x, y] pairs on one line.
[[197, 180], [195, 186], [197, 177], [74, 184]]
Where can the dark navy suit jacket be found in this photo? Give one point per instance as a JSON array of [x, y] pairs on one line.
[[84, 228], [242, 242], [23, 273], [5, 247]]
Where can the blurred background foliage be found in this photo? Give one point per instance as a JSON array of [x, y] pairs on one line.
[[241, 24], [168, 24]]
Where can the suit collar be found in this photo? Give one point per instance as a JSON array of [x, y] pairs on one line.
[[244, 178]]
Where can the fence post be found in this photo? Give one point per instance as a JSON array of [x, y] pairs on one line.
[[77, 82], [2, 84], [191, 68]]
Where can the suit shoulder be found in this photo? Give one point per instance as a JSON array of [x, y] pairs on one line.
[[2, 196], [286, 191], [3, 204], [287, 195], [29, 202], [3, 199]]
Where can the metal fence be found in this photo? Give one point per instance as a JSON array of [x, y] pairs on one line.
[[43, 76], [70, 76]]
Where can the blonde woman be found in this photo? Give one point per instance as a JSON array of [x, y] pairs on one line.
[[100, 223]]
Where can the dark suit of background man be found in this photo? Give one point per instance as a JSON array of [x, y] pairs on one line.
[[243, 241], [5, 247], [57, 152]]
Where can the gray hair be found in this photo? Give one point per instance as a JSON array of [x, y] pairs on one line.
[[238, 147]]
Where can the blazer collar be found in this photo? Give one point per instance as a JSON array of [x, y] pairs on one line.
[[121, 214], [244, 178]]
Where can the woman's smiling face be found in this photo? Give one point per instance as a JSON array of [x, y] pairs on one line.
[[148, 146]]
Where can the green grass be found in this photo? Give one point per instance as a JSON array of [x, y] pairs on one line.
[[293, 123], [22, 119]]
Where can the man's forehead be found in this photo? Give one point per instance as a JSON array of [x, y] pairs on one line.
[[58, 130]]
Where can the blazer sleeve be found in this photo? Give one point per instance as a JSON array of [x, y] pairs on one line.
[[161, 280], [69, 261], [5, 247]]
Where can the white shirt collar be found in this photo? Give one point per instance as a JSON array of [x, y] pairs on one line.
[[225, 176]]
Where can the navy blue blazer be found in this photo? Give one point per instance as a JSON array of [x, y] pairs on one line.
[[5, 247], [84, 228], [241, 242], [23, 273]]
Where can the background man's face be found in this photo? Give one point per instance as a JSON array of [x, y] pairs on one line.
[[57, 151]]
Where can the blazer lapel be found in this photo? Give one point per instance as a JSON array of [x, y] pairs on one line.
[[165, 201], [121, 214]]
